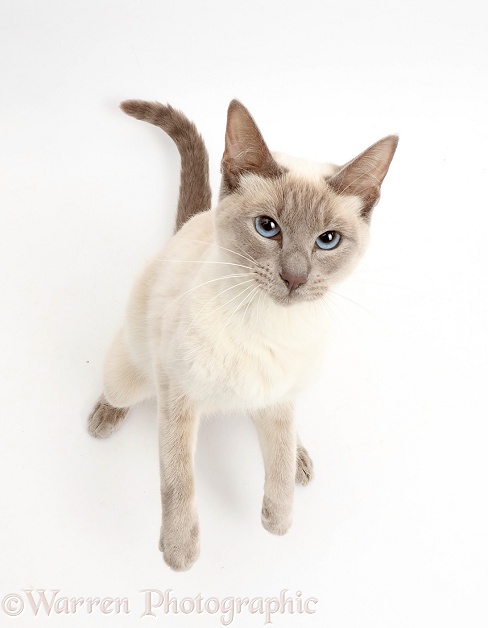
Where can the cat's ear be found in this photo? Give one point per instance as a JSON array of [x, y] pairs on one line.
[[364, 174], [245, 149]]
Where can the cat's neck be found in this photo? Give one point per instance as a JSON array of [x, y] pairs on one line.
[[233, 294]]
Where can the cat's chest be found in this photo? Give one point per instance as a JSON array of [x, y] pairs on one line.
[[245, 364]]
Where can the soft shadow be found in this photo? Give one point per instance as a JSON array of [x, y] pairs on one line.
[[228, 460]]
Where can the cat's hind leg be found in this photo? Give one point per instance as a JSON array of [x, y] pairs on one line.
[[124, 385], [304, 471], [104, 418]]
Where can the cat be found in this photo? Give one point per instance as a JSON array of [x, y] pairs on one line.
[[227, 316]]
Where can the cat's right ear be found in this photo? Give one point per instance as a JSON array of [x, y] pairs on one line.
[[245, 149], [364, 175]]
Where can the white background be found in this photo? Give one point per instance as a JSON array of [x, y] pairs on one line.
[[393, 530]]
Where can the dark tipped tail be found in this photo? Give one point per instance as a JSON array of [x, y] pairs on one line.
[[195, 194]]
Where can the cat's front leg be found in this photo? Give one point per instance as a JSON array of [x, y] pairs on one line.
[[178, 426], [277, 436]]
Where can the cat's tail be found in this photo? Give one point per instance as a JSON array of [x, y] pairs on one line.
[[195, 194]]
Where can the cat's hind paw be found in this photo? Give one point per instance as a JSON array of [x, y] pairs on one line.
[[104, 419], [304, 472]]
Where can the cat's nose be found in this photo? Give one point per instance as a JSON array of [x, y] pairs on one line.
[[293, 281]]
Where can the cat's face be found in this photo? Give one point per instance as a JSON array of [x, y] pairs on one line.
[[302, 228], [300, 235]]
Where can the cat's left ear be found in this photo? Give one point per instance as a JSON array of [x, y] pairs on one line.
[[364, 175], [245, 149]]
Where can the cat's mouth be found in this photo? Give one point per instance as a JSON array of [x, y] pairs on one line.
[[301, 294]]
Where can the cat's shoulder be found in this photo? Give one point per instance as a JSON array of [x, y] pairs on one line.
[[201, 223], [197, 233]]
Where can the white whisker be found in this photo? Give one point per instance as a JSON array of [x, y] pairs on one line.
[[258, 308], [229, 319], [204, 284], [337, 294], [191, 261], [248, 254], [249, 259], [251, 296], [222, 305], [328, 308]]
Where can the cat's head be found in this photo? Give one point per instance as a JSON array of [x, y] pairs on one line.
[[304, 225]]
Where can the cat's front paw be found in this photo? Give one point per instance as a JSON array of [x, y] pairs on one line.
[[180, 545], [104, 419], [276, 518], [304, 472]]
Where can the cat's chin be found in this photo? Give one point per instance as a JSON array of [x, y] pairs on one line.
[[295, 298]]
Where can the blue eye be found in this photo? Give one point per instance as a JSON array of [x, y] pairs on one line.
[[266, 226], [328, 240]]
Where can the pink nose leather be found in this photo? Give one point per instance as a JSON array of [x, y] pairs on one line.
[[293, 281]]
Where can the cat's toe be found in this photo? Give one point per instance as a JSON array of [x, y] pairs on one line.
[[304, 472], [104, 419]]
